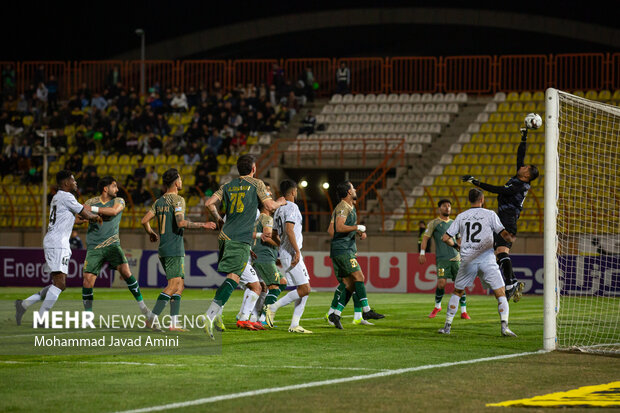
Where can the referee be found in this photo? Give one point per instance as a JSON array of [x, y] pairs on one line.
[[510, 198]]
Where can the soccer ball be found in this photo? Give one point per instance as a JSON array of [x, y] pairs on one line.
[[533, 121]]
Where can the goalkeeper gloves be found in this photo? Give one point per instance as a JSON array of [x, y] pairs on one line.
[[469, 178], [523, 134]]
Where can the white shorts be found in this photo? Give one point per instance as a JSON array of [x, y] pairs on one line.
[[487, 270], [57, 259], [298, 275], [248, 276]]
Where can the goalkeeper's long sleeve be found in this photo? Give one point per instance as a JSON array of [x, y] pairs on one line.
[[508, 189]]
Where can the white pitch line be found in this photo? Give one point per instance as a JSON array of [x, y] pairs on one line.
[[311, 367], [321, 383]]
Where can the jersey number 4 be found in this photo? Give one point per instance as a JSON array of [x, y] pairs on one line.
[[53, 215], [472, 230]]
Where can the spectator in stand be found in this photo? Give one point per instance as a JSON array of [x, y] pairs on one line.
[[99, 102], [75, 242], [308, 78], [276, 76], [90, 183], [138, 175], [85, 92], [113, 78], [343, 79], [41, 97], [192, 154], [202, 180], [238, 142], [273, 95], [52, 93], [152, 178], [193, 100], [308, 124], [74, 164], [292, 105], [178, 103], [8, 80], [215, 142], [300, 92], [22, 104]]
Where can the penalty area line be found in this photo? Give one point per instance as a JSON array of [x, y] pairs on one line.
[[311, 384]]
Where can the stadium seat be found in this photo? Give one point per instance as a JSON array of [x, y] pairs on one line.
[[525, 96], [512, 97]]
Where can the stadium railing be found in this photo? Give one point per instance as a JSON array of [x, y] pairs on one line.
[[470, 74]]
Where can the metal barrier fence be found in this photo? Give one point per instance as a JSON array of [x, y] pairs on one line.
[[470, 74]]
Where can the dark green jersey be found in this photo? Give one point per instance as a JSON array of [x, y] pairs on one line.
[[344, 242], [240, 199], [435, 229], [106, 233], [170, 235], [264, 252]]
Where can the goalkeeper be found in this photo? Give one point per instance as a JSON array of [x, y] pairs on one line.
[[510, 198]]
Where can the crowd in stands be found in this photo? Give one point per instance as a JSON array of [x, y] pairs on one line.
[[120, 121]]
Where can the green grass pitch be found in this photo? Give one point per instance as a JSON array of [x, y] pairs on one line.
[[259, 360]]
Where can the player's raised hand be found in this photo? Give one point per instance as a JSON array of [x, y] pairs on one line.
[[523, 134], [470, 178], [153, 237]]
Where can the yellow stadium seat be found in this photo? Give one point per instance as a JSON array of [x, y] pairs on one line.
[[99, 160], [124, 159], [172, 159], [591, 94], [160, 169], [490, 138], [486, 127], [538, 96], [187, 170], [579, 93], [7, 179], [135, 159], [485, 159], [475, 169], [400, 225], [508, 117], [468, 148], [529, 107], [503, 107], [112, 159], [499, 127], [459, 158], [161, 159], [221, 159], [190, 180], [149, 159], [495, 117], [11, 189], [512, 96], [494, 148], [516, 107], [488, 170], [480, 148], [472, 159], [102, 170], [477, 137], [525, 96], [114, 170], [232, 160], [513, 127], [126, 170], [450, 170], [462, 170], [223, 169], [503, 170], [440, 180]]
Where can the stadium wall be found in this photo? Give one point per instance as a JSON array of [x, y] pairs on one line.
[[196, 240]]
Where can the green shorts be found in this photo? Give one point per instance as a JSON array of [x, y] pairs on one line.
[[112, 254], [234, 256], [447, 269], [344, 265], [173, 266], [268, 272]]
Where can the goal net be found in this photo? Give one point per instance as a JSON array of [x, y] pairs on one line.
[[582, 225]]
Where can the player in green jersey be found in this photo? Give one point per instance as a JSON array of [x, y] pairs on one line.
[[240, 199], [104, 245], [447, 258], [169, 210], [343, 252]]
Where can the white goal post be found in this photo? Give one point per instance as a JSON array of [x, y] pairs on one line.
[[582, 224]]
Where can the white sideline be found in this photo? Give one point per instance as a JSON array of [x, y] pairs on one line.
[[321, 383], [131, 363]]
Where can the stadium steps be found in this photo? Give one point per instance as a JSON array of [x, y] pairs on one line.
[[418, 168]]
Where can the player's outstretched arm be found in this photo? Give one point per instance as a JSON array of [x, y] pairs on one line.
[[494, 189], [112, 211], [522, 149], [185, 223], [147, 226], [272, 205]]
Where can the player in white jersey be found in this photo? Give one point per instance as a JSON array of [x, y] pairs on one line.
[[288, 224], [56, 247], [477, 227]]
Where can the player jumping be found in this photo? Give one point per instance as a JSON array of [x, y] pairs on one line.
[[510, 200]]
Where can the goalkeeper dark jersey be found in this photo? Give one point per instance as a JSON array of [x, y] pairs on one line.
[[511, 196]]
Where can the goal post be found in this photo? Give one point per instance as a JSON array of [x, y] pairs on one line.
[[582, 225]]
